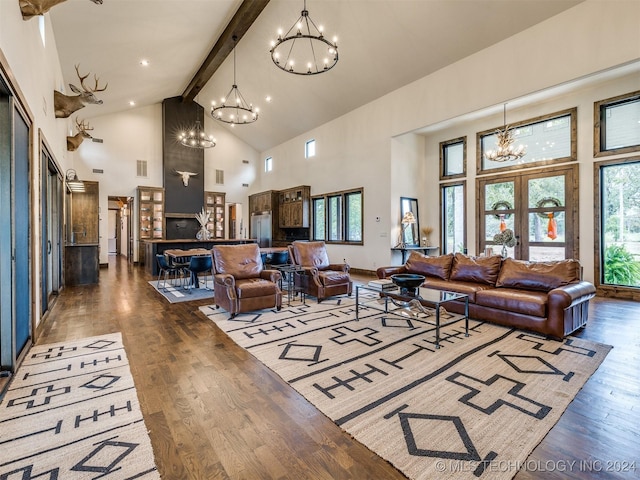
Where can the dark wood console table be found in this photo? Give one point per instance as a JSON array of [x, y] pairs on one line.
[[409, 248]]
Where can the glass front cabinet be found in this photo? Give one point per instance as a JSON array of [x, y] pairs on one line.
[[214, 206], [150, 213]]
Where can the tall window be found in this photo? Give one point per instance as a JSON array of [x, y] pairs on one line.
[[618, 265], [310, 149], [337, 217], [617, 125], [452, 217], [268, 164]]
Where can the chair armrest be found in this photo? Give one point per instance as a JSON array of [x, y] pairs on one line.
[[272, 275], [340, 267], [572, 294], [224, 279], [386, 272]]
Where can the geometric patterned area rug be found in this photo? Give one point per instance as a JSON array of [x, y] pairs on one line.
[[474, 408], [72, 412], [177, 293]]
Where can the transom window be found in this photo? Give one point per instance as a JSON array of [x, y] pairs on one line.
[[268, 164], [617, 125], [453, 158], [337, 217], [547, 139]]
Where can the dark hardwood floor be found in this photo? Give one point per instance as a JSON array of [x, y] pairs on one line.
[[213, 411]]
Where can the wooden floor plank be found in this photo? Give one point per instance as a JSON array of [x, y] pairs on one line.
[[214, 411]]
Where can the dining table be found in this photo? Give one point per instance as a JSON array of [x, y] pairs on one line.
[[182, 258]]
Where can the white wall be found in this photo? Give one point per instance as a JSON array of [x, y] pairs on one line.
[[34, 71], [365, 148]]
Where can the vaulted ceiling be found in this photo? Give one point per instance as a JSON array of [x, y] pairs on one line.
[[383, 45]]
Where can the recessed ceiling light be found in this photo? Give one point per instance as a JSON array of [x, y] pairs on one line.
[[144, 62], [268, 98], [132, 103]]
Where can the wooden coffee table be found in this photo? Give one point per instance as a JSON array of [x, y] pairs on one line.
[[418, 305]]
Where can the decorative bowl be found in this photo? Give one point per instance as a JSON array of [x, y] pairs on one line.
[[408, 282]]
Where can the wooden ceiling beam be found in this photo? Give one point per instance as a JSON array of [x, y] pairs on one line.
[[239, 25]]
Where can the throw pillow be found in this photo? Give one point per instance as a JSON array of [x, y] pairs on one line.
[[438, 267], [476, 269], [540, 276]]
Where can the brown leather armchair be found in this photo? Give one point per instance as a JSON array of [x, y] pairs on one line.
[[240, 283], [321, 278]]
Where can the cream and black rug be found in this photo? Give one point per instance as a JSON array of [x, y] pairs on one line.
[[475, 408], [174, 292], [71, 412]]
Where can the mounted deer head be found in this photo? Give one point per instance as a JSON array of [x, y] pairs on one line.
[[185, 176], [33, 8], [74, 142], [65, 105]]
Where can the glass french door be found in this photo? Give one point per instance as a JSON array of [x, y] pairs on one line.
[[51, 234], [540, 208]]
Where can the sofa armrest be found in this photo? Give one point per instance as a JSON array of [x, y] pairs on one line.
[[224, 279], [338, 267], [572, 294], [272, 275], [386, 272], [568, 307]]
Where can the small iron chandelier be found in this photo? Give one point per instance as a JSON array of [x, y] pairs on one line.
[[234, 109], [505, 151], [196, 137], [303, 50]]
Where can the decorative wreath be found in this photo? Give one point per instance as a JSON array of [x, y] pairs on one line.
[[502, 206], [547, 202]]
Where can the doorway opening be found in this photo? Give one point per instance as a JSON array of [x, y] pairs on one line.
[[119, 229]]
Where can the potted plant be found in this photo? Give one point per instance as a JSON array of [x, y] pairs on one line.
[[506, 238]]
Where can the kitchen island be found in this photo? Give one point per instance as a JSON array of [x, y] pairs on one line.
[[150, 248]]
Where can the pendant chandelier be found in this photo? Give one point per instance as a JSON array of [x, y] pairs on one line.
[[303, 50], [196, 137], [505, 151], [234, 109]]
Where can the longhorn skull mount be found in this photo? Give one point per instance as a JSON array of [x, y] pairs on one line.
[[185, 176]]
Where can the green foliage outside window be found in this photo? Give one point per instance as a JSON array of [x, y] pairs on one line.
[[620, 267]]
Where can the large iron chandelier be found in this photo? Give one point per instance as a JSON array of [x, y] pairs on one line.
[[505, 151], [196, 137], [234, 109], [303, 50]]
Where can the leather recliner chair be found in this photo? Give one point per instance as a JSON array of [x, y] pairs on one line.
[[240, 282], [321, 278]]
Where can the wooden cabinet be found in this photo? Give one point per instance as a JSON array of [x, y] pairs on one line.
[[263, 202], [150, 213], [214, 205], [294, 207]]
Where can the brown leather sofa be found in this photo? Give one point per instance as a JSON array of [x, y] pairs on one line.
[[544, 297], [240, 283], [322, 279]]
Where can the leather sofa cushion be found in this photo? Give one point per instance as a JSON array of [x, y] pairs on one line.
[[540, 276], [240, 261], [255, 287], [468, 288], [512, 300], [311, 254], [332, 277], [475, 269], [438, 267]]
